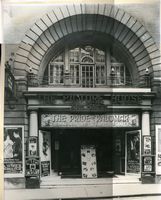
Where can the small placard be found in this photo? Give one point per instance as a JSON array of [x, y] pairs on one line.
[[148, 164], [32, 166], [32, 146], [45, 168], [147, 145]]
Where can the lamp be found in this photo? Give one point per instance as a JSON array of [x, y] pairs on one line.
[[30, 70], [112, 70], [147, 70]]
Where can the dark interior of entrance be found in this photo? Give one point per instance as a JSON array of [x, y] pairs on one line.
[[66, 155]]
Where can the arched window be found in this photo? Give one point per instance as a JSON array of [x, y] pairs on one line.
[[56, 70], [86, 67]]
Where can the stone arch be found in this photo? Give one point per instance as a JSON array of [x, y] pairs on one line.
[[77, 18]]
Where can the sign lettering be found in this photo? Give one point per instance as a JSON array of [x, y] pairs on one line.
[[126, 99], [106, 120]]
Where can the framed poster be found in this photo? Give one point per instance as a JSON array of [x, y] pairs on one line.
[[158, 149], [14, 151], [88, 161], [32, 146], [45, 152], [133, 152], [148, 164]]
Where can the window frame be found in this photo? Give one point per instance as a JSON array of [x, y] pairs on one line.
[[52, 64]]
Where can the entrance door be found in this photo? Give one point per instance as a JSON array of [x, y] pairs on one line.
[[69, 154], [133, 152], [87, 75]]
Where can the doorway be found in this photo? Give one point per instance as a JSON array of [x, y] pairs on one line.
[[109, 145]]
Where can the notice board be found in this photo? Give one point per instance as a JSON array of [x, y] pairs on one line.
[[88, 161]]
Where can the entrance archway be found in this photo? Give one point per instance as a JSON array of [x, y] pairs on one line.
[[107, 19]]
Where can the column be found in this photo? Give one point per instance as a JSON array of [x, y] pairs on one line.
[[33, 131], [145, 123]]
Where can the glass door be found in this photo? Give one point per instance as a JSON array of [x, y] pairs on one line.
[[87, 75]]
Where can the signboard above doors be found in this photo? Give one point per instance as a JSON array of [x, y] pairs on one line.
[[89, 121], [88, 101]]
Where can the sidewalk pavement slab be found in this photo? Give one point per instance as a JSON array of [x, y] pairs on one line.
[[83, 191]]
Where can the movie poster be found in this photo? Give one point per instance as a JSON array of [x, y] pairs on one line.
[[133, 152], [88, 160], [13, 151], [158, 149], [32, 146], [45, 152], [147, 145]]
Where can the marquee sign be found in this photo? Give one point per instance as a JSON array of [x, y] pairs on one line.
[[91, 121]]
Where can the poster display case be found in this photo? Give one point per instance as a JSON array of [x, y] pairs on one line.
[[13, 151], [45, 152], [158, 149], [88, 161], [133, 152]]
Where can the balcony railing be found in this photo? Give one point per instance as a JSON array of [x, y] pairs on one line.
[[67, 80]]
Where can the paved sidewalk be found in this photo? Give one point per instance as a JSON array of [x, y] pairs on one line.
[[83, 191]]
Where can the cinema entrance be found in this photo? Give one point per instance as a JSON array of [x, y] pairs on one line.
[[86, 152], [89, 136]]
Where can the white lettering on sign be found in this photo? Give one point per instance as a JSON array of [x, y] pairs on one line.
[[106, 120]]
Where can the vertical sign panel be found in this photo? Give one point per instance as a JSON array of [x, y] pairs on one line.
[[133, 159], [147, 145], [45, 152], [158, 149], [32, 146], [14, 151], [88, 160]]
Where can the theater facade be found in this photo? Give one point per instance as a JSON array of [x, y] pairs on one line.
[[82, 97]]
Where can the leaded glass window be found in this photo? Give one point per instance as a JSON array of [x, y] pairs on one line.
[[86, 67]]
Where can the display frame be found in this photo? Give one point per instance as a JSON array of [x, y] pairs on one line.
[[12, 128], [158, 151], [126, 152], [31, 151]]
